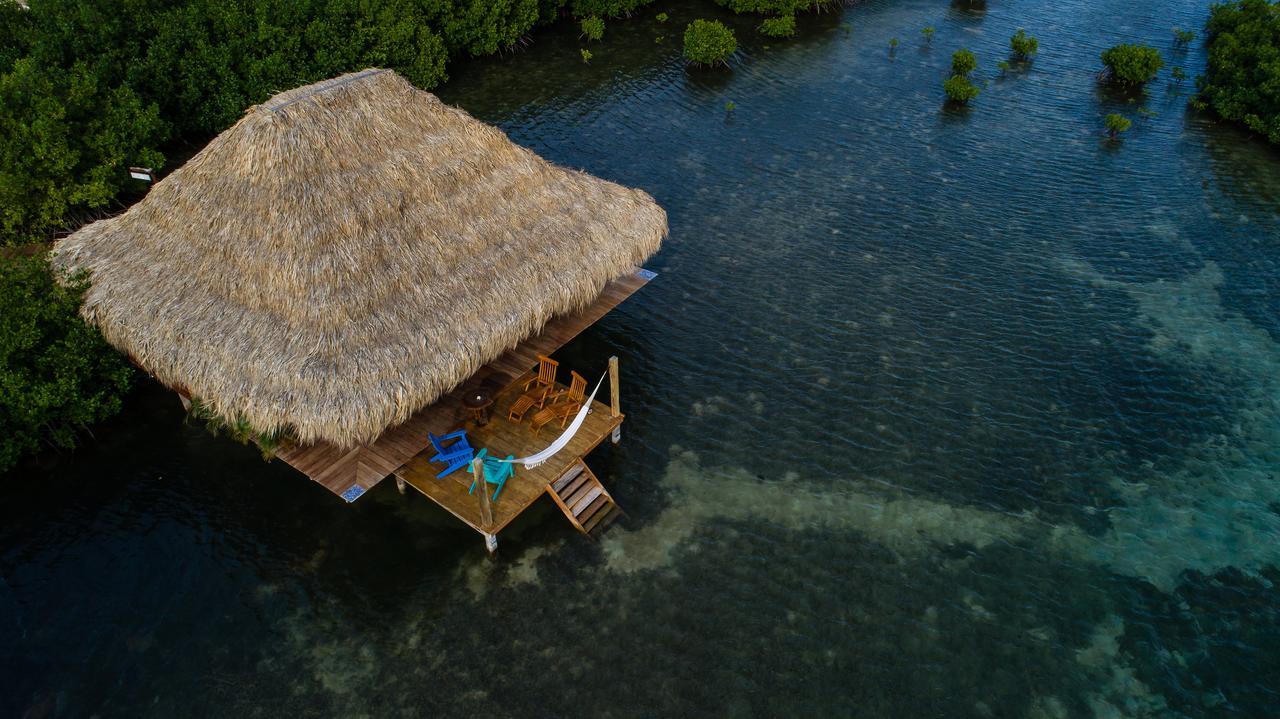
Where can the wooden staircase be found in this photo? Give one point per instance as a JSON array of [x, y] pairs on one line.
[[584, 500]]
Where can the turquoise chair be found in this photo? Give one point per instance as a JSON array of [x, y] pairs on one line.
[[495, 471]]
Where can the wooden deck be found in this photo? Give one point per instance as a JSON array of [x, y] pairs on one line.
[[503, 437], [349, 473]]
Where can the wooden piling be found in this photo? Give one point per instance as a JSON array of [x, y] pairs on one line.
[[486, 510], [615, 397], [400, 483]]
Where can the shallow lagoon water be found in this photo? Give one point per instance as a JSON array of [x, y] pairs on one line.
[[930, 413]]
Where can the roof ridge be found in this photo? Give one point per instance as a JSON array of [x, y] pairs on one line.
[[325, 86]]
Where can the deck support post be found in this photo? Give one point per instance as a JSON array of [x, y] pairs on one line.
[[486, 511], [615, 397], [400, 483]]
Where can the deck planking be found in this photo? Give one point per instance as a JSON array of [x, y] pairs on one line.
[[349, 472]]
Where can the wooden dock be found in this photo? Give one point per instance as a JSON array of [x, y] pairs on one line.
[[565, 477], [348, 473]]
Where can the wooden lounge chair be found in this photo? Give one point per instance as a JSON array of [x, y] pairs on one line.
[[453, 450], [576, 392], [495, 472], [545, 416], [536, 389]]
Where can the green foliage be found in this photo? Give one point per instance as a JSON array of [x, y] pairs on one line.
[[730, 106], [1178, 74], [1003, 66], [960, 89], [1023, 45], [928, 34], [662, 17], [893, 43], [708, 42], [1242, 77], [1117, 123], [57, 374], [963, 62], [784, 26], [66, 141], [1131, 65], [237, 428], [16, 28], [1182, 38], [592, 28], [776, 7], [601, 8], [586, 55]]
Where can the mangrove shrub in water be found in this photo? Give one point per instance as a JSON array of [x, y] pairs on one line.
[[57, 374], [592, 28], [963, 62], [1242, 78], [784, 26], [1131, 65], [1116, 124], [708, 42], [1023, 45], [959, 88]]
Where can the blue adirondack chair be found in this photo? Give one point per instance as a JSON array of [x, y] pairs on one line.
[[495, 472], [453, 450]]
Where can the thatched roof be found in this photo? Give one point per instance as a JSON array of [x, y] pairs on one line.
[[348, 252]]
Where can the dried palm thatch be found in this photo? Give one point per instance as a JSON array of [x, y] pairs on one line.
[[348, 252]]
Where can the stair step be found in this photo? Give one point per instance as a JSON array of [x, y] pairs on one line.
[[598, 507], [589, 505], [573, 473], [592, 494], [583, 490], [602, 520], [575, 484]]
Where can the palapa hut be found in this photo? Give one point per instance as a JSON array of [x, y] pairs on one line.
[[349, 252]]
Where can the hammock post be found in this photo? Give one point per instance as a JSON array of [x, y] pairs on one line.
[[615, 399], [486, 511]]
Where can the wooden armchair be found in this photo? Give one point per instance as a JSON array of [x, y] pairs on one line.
[[576, 392], [535, 389]]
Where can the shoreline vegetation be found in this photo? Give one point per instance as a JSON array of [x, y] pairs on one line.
[[1242, 76]]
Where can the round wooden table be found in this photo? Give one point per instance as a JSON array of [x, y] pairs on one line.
[[478, 402]]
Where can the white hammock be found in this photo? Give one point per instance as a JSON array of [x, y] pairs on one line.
[[563, 440]]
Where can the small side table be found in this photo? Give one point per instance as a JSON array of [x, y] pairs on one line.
[[478, 403]]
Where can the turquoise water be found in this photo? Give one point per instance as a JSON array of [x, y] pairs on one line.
[[930, 413]]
